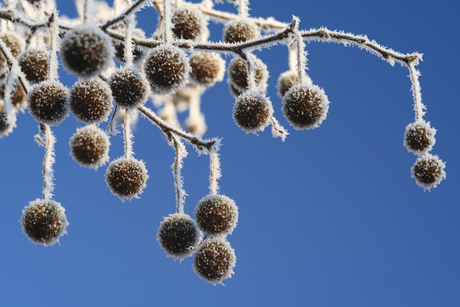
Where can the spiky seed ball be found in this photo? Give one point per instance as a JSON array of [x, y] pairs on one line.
[[240, 30], [34, 65], [214, 260], [216, 215], [86, 51], [189, 23], [305, 106], [14, 42], [176, 234], [129, 87], [207, 68], [287, 80], [428, 171], [44, 221], [6, 125], [419, 137], [48, 102], [138, 53], [89, 146], [91, 101], [252, 112], [126, 177], [238, 73], [167, 68], [17, 98]]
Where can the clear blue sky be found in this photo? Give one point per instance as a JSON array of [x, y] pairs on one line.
[[331, 217]]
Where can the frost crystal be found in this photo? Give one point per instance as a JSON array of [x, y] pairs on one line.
[[428, 171], [252, 112], [48, 102], [89, 147], [216, 215], [126, 177], [419, 137]]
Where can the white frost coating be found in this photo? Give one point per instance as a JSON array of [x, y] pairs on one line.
[[181, 154], [425, 166], [6, 125], [53, 63], [129, 24], [167, 23], [430, 133], [419, 107], [8, 108], [48, 177], [127, 135], [243, 8], [112, 127], [299, 45], [214, 168], [278, 131]]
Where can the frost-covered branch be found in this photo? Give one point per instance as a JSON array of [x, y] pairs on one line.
[[48, 185]]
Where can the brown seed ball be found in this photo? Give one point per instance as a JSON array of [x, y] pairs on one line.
[[176, 234], [428, 171], [419, 137], [86, 51], [89, 146], [34, 64], [166, 68], [91, 101], [48, 102], [129, 88], [44, 221], [189, 23], [207, 68], [15, 43], [126, 177], [216, 215], [240, 30], [138, 53], [305, 106], [17, 98], [252, 112], [214, 260], [287, 80], [238, 73]]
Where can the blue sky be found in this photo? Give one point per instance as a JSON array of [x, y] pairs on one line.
[[331, 217]]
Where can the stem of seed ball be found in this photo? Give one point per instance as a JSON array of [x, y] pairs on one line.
[[251, 74], [48, 162], [177, 167], [243, 10], [127, 135], [129, 25], [167, 25], [53, 60], [214, 171], [416, 93]]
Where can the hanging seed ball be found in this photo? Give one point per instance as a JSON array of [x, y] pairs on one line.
[[48, 102], [138, 53], [44, 221], [34, 65], [305, 106], [189, 23], [126, 177], [176, 234], [6, 125], [214, 260], [419, 137], [207, 68], [86, 51], [17, 98], [428, 171], [129, 87], [89, 146], [216, 215], [91, 101], [240, 30], [15, 43], [167, 68], [287, 80], [238, 73], [252, 112]]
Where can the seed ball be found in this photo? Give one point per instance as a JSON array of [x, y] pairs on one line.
[[126, 177], [305, 106], [252, 112], [89, 146], [48, 102], [287, 80], [196, 124], [17, 97], [216, 215], [44, 221], [207, 68], [6, 124], [15, 43], [34, 65], [91, 101], [189, 23], [138, 53], [167, 68], [176, 234], [428, 171], [240, 30], [419, 137], [129, 88], [214, 260], [238, 73], [86, 51]]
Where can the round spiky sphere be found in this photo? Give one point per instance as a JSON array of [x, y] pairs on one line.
[[34, 65], [216, 215], [14, 42], [138, 53], [6, 124], [287, 80], [44, 221], [419, 137], [129, 87], [252, 112], [238, 73], [207, 68], [214, 260], [240, 30], [305, 106], [86, 51], [48, 102], [89, 146], [167, 68], [126, 177], [176, 234], [428, 171], [189, 23], [91, 101]]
